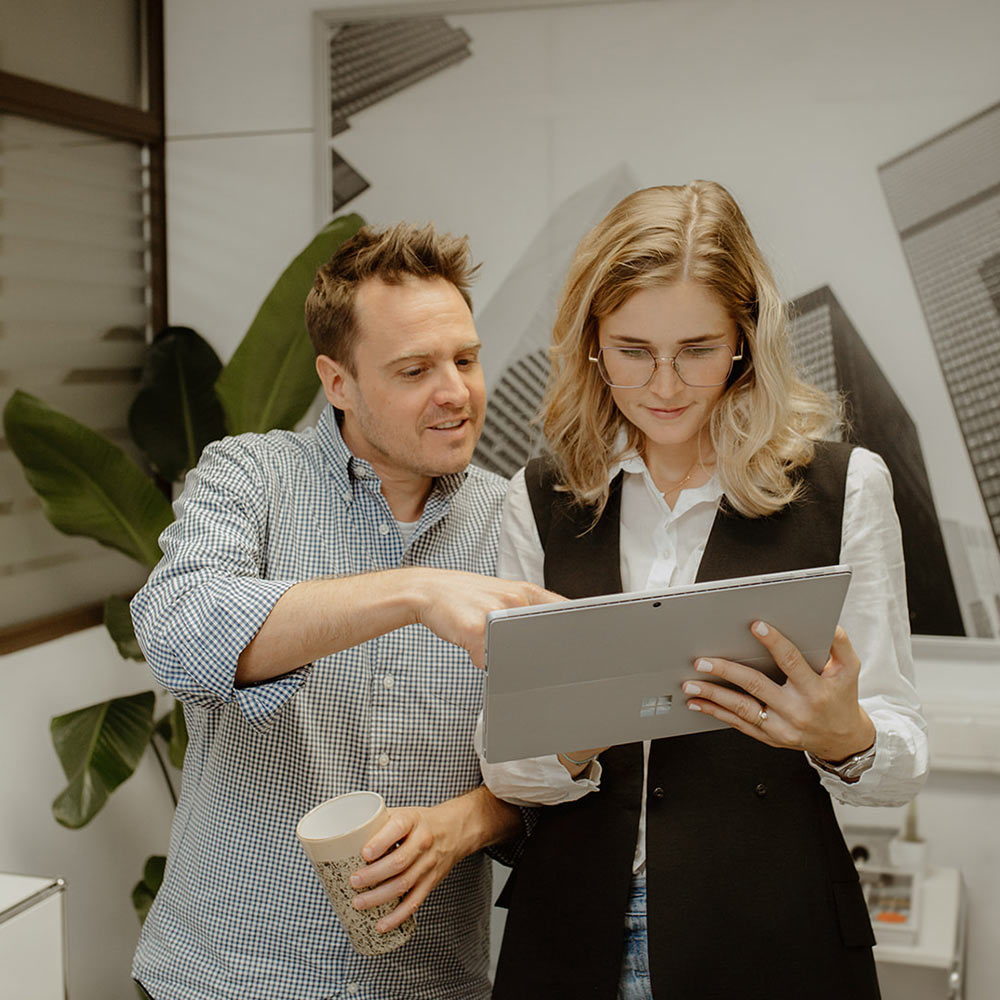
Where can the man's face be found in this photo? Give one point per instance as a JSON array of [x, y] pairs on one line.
[[415, 406]]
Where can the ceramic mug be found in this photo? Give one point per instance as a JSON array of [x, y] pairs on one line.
[[332, 836]]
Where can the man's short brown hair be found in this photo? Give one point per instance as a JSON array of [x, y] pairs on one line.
[[391, 255]]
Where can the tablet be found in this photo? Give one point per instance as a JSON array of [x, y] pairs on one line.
[[599, 671]]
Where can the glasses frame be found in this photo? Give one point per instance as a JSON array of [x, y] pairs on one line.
[[601, 368]]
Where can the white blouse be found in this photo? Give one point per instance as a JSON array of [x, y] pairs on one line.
[[874, 616]]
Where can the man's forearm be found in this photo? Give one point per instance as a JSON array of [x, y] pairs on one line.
[[318, 617], [486, 820]]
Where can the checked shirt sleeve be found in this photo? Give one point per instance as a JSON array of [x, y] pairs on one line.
[[209, 594]]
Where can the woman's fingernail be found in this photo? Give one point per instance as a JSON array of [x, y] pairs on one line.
[[356, 881], [704, 666], [760, 628], [694, 706], [690, 688]]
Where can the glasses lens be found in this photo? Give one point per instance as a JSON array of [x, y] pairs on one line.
[[704, 366], [626, 367]]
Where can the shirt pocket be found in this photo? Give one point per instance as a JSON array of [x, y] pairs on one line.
[[431, 670]]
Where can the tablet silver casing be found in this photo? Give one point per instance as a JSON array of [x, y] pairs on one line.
[[606, 670]]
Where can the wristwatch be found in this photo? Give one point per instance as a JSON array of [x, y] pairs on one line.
[[849, 770]]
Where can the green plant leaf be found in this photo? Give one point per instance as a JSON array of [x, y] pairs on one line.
[[99, 747], [118, 622], [173, 729], [176, 412], [271, 380], [88, 486], [148, 886]]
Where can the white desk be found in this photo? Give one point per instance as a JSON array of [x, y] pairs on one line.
[[32, 938], [933, 967]]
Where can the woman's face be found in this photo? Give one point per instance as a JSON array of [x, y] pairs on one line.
[[663, 320]]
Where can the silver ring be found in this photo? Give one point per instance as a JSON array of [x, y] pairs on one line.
[[761, 717]]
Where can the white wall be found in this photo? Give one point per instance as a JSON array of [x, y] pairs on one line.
[[240, 205], [103, 861]]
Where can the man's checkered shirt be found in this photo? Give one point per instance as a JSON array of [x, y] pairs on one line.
[[241, 915]]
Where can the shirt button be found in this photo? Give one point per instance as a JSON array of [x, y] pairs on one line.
[[760, 791], [658, 792], [353, 988], [383, 760], [388, 681], [383, 528]]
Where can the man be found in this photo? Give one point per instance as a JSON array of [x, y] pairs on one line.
[[316, 608]]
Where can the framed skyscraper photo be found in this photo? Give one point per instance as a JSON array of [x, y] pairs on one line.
[[871, 170]]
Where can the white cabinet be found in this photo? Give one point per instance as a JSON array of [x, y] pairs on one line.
[[32, 938], [933, 966]]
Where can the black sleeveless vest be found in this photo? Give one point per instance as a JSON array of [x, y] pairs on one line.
[[751, 893]]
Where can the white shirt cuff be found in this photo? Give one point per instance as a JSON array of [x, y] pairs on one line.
[[535, 781]]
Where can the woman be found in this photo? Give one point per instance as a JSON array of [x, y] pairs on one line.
[[685, 448]]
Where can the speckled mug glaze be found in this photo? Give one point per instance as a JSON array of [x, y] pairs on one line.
[[332, 836]]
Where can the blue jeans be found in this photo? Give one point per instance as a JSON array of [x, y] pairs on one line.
[[634, 983]]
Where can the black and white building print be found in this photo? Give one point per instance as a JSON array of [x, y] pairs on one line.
[[944, 197], [832, 354], [372, 60]]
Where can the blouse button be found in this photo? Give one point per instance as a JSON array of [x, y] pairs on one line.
[[658, 792], [761, 791]]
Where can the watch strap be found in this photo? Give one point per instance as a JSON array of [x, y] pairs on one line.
[[849, 770]]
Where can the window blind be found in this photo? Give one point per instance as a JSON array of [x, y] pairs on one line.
[[74, 316]]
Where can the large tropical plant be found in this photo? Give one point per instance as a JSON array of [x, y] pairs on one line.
[[89, 486]]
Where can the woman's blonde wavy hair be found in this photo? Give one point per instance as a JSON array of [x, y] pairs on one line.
[[767, 422]]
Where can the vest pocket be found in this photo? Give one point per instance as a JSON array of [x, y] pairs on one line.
[[852, 913]]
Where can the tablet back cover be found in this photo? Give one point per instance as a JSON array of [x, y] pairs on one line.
[[603, 671]]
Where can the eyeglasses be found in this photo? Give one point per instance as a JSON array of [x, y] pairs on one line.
[[700, 366]]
